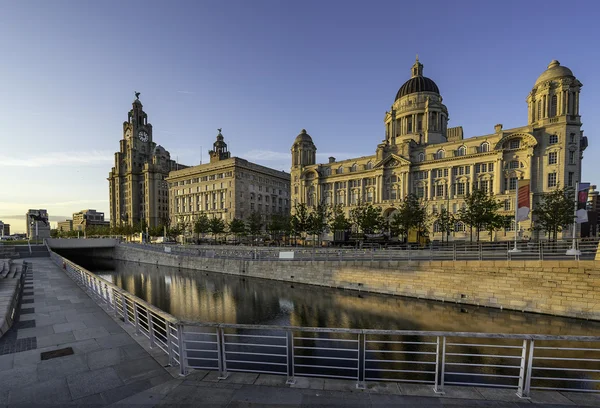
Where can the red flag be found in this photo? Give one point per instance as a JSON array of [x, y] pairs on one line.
[[523, 200]]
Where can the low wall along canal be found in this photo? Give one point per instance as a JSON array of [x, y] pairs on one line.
[[562, 288]]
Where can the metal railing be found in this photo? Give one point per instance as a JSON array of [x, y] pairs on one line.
[[541, 250], [439, 358]]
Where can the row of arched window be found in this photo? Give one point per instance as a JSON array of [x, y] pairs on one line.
[[340, 169], [461, 151]]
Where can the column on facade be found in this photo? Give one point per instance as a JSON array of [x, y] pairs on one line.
[[378, 196], [498, 175]]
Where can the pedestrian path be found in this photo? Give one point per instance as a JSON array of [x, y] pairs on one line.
[[104, 364], [111, 366]]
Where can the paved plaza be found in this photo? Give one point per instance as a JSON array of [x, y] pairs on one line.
[[112, 366]]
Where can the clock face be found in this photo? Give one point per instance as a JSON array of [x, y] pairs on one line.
[[143, 135]]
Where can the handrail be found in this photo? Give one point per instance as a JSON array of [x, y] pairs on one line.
[[506, 359]]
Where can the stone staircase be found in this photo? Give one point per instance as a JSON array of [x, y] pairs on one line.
[[12, 280], [8, 252]]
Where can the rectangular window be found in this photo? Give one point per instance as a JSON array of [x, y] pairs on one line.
[[551, 179], [490, 167], [467, 169], [515, 144], [439, 190], [570, 179], [552, 157], [461, 171], [420, 192], [484, 168], [572, 157], [460, 188], [553, 139], [507, 205], [445, 172], [478, 168], [512, 183], [484, 186], [454, 171]]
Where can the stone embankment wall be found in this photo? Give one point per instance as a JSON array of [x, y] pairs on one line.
[[562, 288]]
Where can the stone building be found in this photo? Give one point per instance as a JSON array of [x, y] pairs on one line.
[[4, 229], [138, 190], [421, 155], [227, 188], [37, 224], [85, 219], [65, 226]]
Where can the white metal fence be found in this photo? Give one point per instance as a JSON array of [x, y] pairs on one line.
[[542, 250], [519, 361]]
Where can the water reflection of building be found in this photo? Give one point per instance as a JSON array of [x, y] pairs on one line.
[[204, 296]]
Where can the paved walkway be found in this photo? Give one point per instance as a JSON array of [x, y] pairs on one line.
[[111, 366]]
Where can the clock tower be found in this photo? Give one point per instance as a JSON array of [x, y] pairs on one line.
[[138, 192]]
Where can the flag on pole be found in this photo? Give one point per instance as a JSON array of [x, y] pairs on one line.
[[523, 200], [582, 197]]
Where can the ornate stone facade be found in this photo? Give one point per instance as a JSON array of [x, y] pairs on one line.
[[227, 188], [421, 155], [138, 190]]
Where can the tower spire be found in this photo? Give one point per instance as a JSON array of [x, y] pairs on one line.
[[417, 68]]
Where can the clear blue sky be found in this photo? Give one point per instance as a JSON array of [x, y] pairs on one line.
[[261, 70]]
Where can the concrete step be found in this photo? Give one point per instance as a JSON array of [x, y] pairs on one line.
[[4, 268], [13, 270]]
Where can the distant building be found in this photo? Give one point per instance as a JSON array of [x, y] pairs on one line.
[[138, 192], [227, 188], [65, 226], [85, 219], [4, 229], [37, 224], [422, 156]]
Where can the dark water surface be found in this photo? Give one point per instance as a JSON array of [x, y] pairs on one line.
[[212, 297]]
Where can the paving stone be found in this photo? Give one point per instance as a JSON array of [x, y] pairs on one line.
[[18, 377], [140, 369], [241, 378], [133, 351], [462, 393], [104, 358], [266, 396], [423, 390], [67, 327], [339, 385], [115, 340], [90, 333], [271, 380], [583, 398], [56, 339], [61, 367], [6, 361], [383, 387], [390, 400], [309, 382], [83, 346], [124, 391], [336, 398], [92, 382], [54, 391], [197, 396], [499, 394], [35, 332]]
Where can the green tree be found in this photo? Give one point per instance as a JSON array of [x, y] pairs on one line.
[[317, 220], [554, 211], [300, 219], [255, 224], [410, 214], [367, 218], [278, 225], [237, 227], [496, 222], [202, 225], [479, 209], [338, 220], [216, 227], [445, 221], [54, 233]]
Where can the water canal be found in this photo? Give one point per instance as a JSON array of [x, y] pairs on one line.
[[212, 297]]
